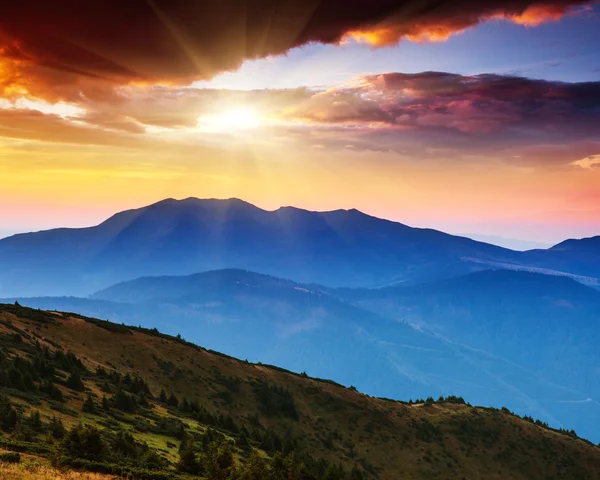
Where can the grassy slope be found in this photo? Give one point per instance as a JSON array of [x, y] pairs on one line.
[[400, 441], [33, 469]]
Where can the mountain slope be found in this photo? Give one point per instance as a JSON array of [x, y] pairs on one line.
[[341, 248], [548, 324], [581, 256], [445, 338], [383, 439], [534, 319]]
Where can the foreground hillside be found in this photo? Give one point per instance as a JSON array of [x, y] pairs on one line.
[[87, 394]]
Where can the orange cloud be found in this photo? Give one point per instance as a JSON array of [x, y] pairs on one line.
[[538, 14], [13, 84], [64, 49], [438, 29]]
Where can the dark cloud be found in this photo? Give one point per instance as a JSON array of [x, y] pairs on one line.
[[527, 121], [48, 45], [470, 104]]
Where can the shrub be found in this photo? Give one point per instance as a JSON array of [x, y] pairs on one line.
[[83, 441], [115, 469], [124, 401], [10, 457]]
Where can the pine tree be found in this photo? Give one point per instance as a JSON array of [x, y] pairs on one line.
[[56, 428], [84, 441], [74, 382], [89, 406], [219, 461], [188, 462], [35, 421], [256, 468], [124, 401], [162, 397], [8, 415], [173, 401]]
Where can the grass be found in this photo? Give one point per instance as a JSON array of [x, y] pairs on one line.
[[35, 471]]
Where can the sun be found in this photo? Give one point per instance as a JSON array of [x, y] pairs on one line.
[[235, 119]]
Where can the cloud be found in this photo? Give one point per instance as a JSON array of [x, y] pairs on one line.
[[34, 125], [67, 48], [528, 121], [589, 163], [470, 104], [429, 116]]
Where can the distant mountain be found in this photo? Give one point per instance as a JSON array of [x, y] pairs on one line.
[[549, 323], [341, 248], [8, 232], [575, 256], [510, 243], [585, 245], [523, 340]]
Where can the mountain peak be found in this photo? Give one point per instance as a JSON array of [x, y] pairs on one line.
[[578, 244], [202, 201]]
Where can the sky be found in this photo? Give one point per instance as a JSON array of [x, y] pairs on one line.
[[478, 117]]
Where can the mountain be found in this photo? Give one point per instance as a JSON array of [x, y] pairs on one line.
[[580, 256], [339, 248], [510, 243], [61, 372], [503, 338], [584, 245], [549, 323], [343, 248]]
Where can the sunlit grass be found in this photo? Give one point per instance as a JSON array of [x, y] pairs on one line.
[[32, 471]]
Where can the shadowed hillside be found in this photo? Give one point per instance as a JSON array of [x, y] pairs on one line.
[[549, 323], [158, 417]]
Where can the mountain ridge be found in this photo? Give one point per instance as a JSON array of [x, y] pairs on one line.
[[178, 237]]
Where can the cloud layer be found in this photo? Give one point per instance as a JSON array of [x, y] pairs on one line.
[[527, 121], [420, 117], [57, 50]]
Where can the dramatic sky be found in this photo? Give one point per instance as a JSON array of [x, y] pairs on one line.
[[469, 116]]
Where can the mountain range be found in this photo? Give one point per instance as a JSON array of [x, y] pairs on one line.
[[397, 311], [342, 248]]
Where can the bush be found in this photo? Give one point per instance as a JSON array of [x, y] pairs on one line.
[[275, 400], [10, 457], [25, 447], [124, 402], [115, 469], [84, 441]]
